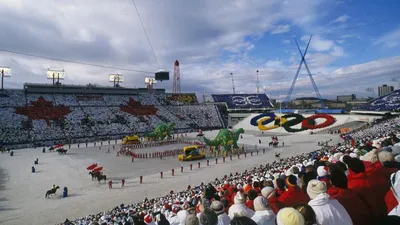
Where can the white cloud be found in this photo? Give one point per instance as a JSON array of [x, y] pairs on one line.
[[86, 31], [341, 19], [347, 80], [337, 51], [274, 64], [320, 44], [390, 39], [281, 29]]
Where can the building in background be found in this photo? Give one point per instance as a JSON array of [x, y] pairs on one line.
[[384, 90], [345, 98]]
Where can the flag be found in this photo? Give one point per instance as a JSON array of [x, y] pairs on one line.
[[97, 169], [94, 165], [58, 146]]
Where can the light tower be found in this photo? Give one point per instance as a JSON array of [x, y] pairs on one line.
[[116, 79], [258, 84], [55, 75], [5, 72], [177, 78], [396, 80], [233, 84]]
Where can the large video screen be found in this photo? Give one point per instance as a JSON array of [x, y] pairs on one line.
[[162, 75], [244, 101]]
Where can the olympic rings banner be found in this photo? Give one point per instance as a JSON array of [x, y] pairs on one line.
[[290, 120]]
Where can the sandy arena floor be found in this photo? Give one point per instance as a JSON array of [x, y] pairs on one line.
[[22, 193]]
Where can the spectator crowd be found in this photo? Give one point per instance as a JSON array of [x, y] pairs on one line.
[[338, 185], [89, 116], [389, 102]]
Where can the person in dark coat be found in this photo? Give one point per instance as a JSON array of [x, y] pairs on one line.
[[360, 215], [293, 194]]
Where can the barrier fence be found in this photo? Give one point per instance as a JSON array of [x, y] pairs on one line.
[[225, 157]]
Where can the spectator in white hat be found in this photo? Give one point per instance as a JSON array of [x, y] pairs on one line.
[[219, 209], [239, 208], [328, 212], [263, 214]]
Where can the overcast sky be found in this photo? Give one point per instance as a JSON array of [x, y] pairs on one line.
[[353, 47]]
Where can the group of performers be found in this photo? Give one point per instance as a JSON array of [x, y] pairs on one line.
[[110, 183]]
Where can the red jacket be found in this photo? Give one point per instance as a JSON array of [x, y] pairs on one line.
[[390, 200], [250, 204], [279, 192], [357, 180], [371, 187], [354, 205], [275, 204], [293, 196]]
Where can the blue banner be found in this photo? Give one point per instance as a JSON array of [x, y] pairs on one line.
[[244, 101]]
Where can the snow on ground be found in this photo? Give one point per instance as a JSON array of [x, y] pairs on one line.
[[340, 119], [23, 193]]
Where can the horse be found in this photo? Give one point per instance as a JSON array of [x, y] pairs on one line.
[[51, 192], [62, 151], [101, 177], [275, 144], [94, 174], [270, 144]]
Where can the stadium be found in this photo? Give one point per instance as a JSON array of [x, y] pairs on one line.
[[166, 153]]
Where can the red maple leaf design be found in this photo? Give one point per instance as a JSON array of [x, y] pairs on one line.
[[136, 108], [43, 110]]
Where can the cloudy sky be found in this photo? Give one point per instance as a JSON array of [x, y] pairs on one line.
[[355, 45]]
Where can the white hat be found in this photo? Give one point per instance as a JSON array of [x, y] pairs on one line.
[[321, 171]]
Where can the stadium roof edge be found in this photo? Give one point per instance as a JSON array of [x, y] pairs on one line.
[[87, 89]]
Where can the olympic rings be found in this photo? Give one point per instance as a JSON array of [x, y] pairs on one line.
[[254, 120], [308, 123]]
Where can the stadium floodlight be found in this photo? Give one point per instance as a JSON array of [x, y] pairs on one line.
[[55, 74], [116, 79], [395, 79], [5, 72], [370, 89], [233, 84], [258, 84], [150, 81]]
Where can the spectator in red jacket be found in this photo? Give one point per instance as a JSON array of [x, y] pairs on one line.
[[349, 199], [369, 188], [357, 178], [280, 186], [251, 195], [387, 159], [293, 194], [256, 187], [269, 194]]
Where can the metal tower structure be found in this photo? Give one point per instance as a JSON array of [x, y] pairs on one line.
[[396, 80], [258, 84], [177, 78], [233, 84], [303, 61]]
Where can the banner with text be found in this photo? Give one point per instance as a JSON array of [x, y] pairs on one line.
[[244, 101]]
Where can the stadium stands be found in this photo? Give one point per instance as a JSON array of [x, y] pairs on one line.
[[244, 101], [33, 117], [389, 102], [327, 182]]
